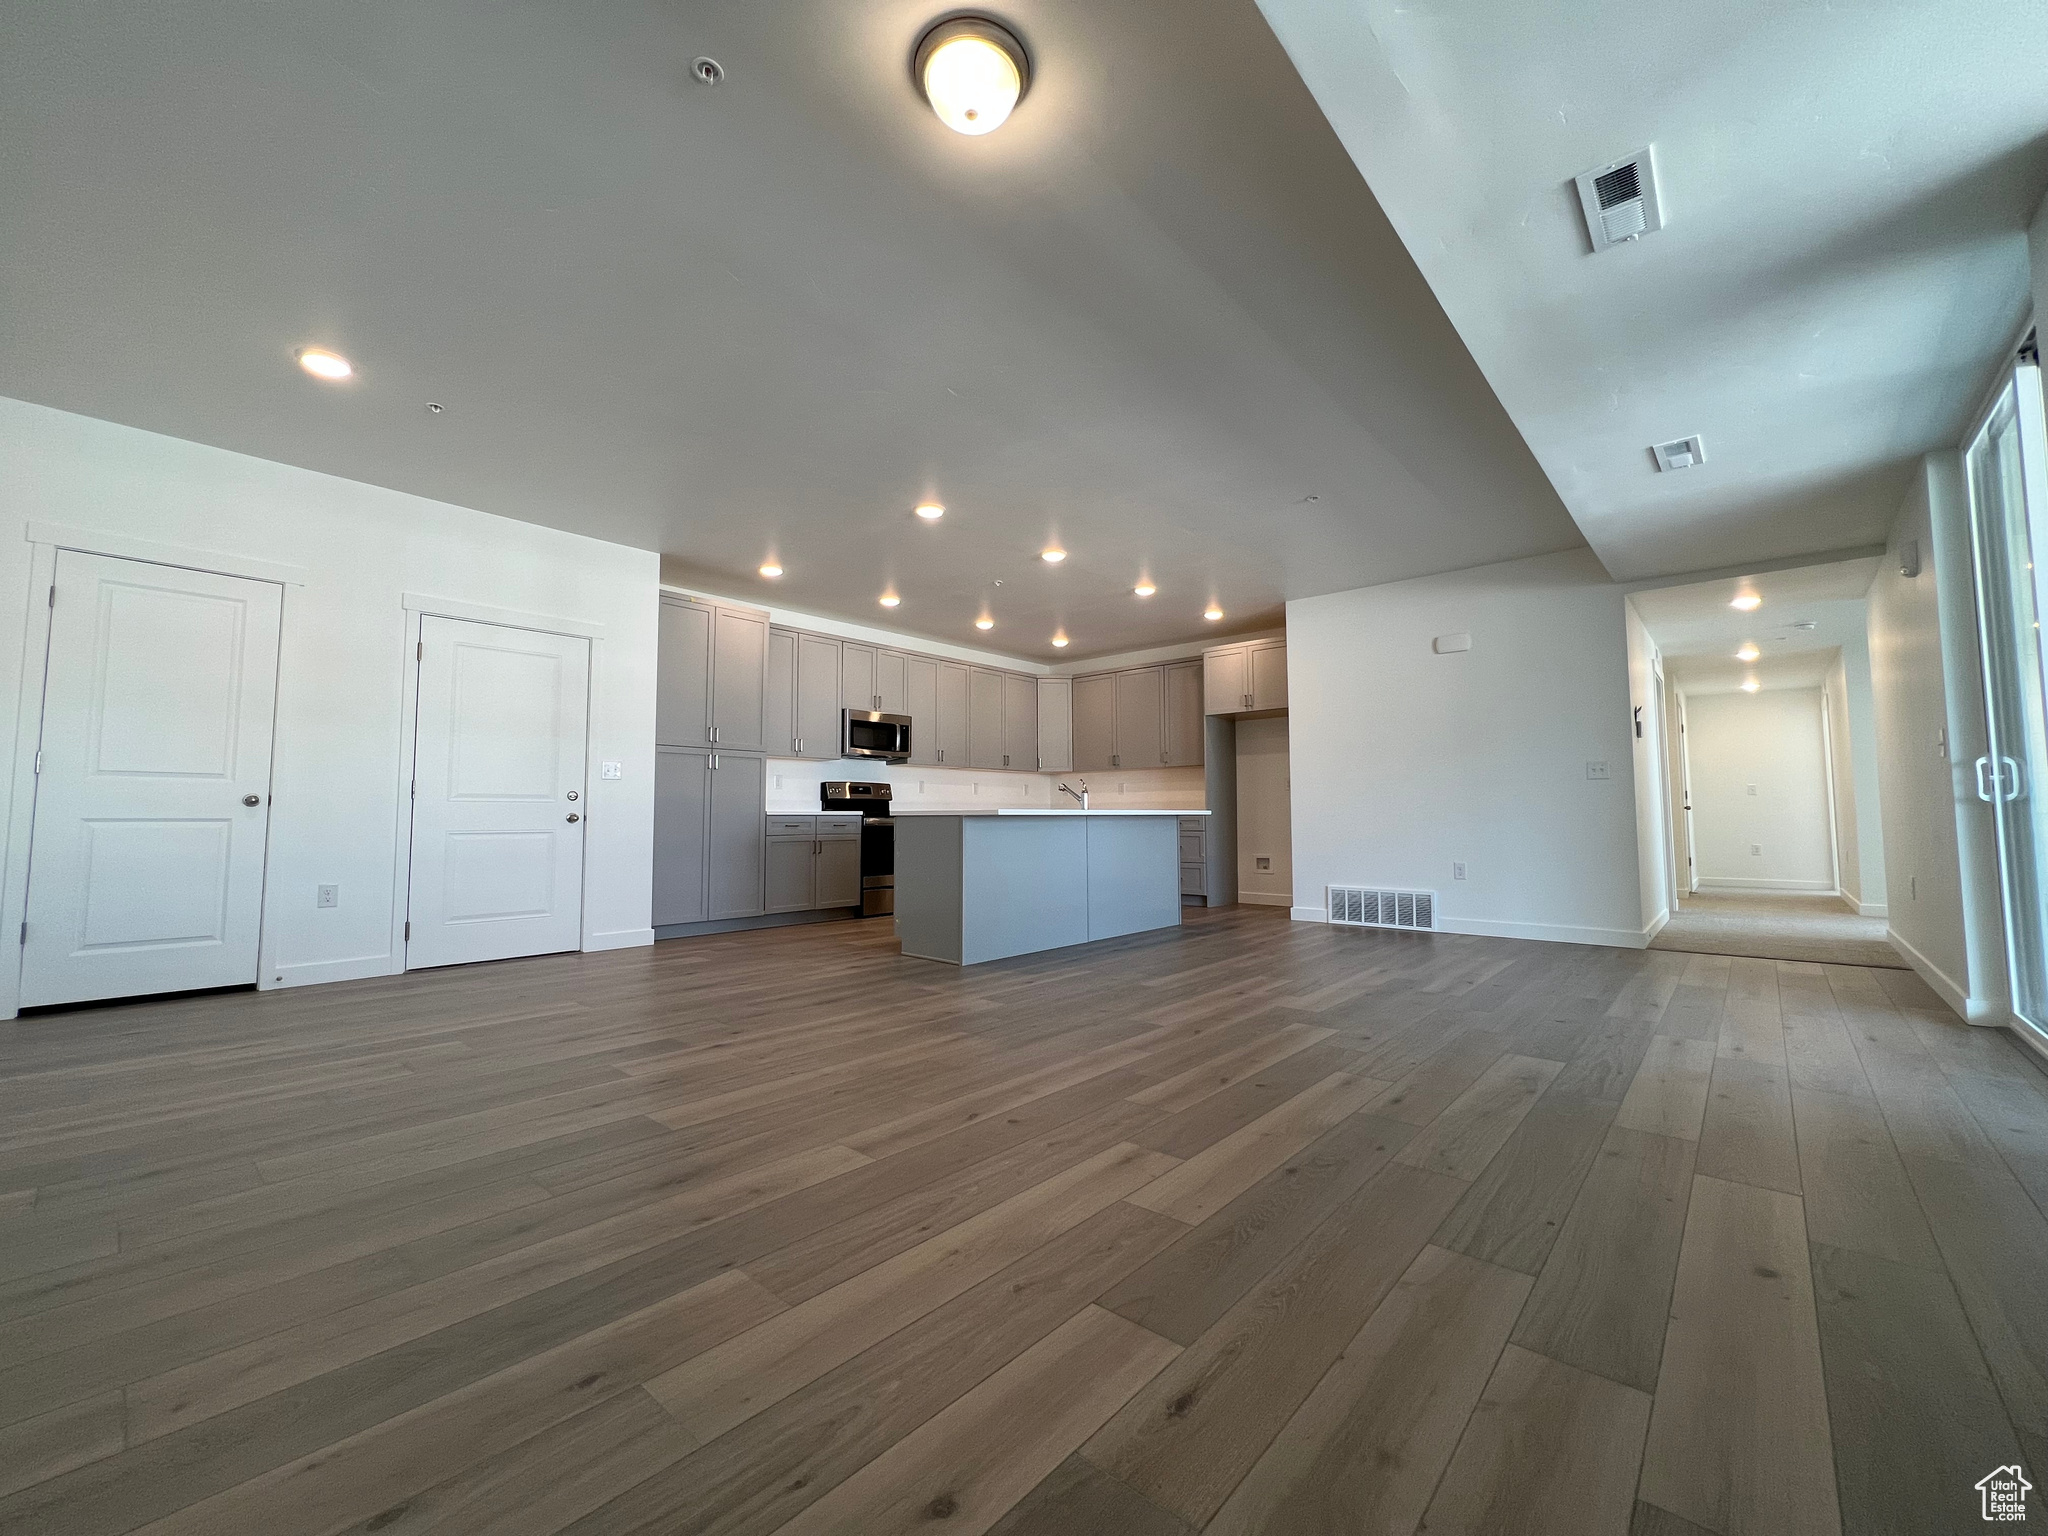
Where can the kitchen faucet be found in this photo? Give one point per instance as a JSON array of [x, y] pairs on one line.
[[1081, 794]]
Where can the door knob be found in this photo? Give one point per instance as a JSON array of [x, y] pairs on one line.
[[574, 817], [252, 799]]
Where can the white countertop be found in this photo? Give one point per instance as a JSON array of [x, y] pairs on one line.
[[1023, 810]]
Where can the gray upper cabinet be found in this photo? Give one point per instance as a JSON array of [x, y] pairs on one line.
[[1094, 721], [1226, 681], [857, 675], [1183, 685], [782, 692], [1242, 679], [1020, 722], [954, 751], [1269, 675], [889, 682], [1140, 716], [921, 703], [817, 697], [734, 839], [682, 792], [985, 718], [682, 701], [1055, 725], [739, 679]]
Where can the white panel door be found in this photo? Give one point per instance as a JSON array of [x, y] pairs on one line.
[[153, 795], [497, 811]]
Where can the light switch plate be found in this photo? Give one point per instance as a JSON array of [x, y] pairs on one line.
[[1457, 869], [609, 771], [1596, 768]]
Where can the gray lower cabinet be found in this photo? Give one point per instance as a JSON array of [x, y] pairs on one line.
[[1194, 856], [817, 697], [921, 703], [812, 863], [985, 718], [953, 733], [708, 855], [1094, 722]]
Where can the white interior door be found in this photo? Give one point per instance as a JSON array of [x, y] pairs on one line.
[[498, 807], [153, 782]]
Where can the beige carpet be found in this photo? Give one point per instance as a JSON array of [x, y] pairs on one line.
[[1817, 928]]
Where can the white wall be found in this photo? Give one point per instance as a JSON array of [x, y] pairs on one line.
[[337, 771], [1760, 790], [1842, 787], [1405, 760], [1264, 813], [1940, 873], [1653, 829], [1859, 810]]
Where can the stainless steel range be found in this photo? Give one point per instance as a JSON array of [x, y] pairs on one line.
[[877, 839]]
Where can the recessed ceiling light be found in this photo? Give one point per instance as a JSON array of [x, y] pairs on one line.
[[984, 622], [1748, 653], [930, 511], [1213, 613], [771, 570], [1052, 556], [972, 72], [890, 599], [1750, 685], [1747, 602], [1059, 641], [1144, 589], [323, 364]]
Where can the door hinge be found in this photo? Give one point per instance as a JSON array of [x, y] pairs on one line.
[[53, 597], [408, 930], [419, 651], [24, 932], [39, 759], [413, 789]]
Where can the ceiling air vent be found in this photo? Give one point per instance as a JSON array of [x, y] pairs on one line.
[[1357, 906], [1621, 200], [1680, 452]]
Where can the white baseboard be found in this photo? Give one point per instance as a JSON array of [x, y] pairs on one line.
[[1655, 926], [1943, 983], [618, 938], [318, 972], [1548, 933], [1262, 899], [1872, 909], [1762, 887], [1309, 914]]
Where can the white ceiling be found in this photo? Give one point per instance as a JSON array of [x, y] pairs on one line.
[[1150, 317], [1845, 193], [1699, 633]]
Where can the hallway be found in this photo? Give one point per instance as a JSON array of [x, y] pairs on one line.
[[1816, 929]]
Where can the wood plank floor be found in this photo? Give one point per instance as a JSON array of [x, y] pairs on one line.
[[1246, 1227]]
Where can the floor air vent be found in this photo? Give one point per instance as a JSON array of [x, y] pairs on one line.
[[1358, 906]]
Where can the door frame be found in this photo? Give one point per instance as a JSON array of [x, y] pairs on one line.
[[45, 540], [415, 607]]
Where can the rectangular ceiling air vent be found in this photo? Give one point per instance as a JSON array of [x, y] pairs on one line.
[[1680, 452], [1621, 200], [1358, 906]]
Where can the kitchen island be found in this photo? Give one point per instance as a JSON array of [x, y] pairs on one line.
[[974, 886]]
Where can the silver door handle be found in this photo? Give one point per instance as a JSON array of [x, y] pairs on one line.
[[574, 817], [252, 799], [1983, 788]]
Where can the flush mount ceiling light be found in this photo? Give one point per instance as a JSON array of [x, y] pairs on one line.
[[1059, 642], [1748, 653], [973, 72], [930, 511], [890, 599], [1748, 602], [1052, 556], [323, 364], [771, 570], [1144, 589], [1212, 613], [1750, 685], [984, 622]]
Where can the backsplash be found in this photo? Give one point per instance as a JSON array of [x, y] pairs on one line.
[[793, 786]]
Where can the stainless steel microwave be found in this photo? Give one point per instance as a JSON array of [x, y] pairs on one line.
[[869, 733]]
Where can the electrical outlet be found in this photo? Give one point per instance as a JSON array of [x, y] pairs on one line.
[[1457, 869], [1264, 863], [1750, 789], [1756, 850], [609, 771], [1596, 768], [328, 896]]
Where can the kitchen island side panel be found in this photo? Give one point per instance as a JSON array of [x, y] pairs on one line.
[[1023, 886], [1133, 875], [928, 895]]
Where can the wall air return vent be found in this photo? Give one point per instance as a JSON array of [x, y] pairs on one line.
[[1358, 906], [1621, 200]]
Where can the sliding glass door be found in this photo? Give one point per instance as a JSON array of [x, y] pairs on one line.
[[2008, 468]]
